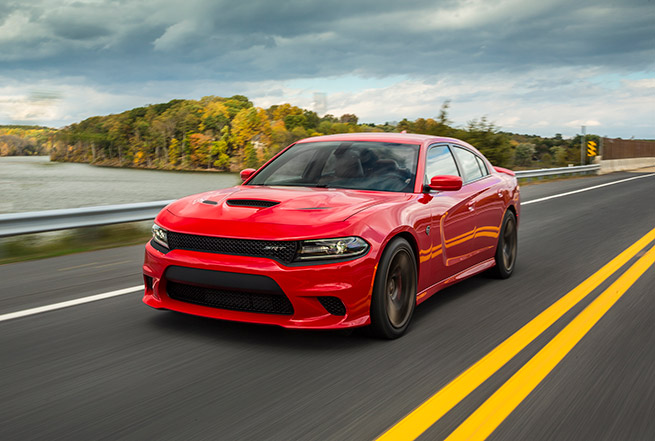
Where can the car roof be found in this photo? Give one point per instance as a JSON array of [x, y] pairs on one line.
[[403, 138]]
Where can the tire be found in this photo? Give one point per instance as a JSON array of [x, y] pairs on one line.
[[507, 248], [394, 291]]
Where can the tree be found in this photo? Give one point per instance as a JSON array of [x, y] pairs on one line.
[[280, 137], [215, 116], [200, 150], [283, 110], [546, 160], [560, 154], [493, 144], [224, 133], [298, 133], [174, 151], [236, 104], [251, 125], [219, 151], [293, 121], [443, 114], [250, 156], [348, 118], [523, 154]]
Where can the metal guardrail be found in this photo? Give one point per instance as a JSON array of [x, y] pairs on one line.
[[14, 224], [557, 171]]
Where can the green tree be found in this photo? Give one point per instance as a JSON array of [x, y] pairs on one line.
[[174, 152], [486, 137], [443, 114], [546, 160], [523, 154], [236, 104], [560, 153], [293, 121], [348, 118], [250, 156], [219, 151]]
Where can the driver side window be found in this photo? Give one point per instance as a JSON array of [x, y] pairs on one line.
[[440, 161]]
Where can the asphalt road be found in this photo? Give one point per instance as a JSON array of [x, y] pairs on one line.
[[116, 369]]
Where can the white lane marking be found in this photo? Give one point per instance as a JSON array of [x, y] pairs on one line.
[[584, 189], [68, 303], [120, 292]]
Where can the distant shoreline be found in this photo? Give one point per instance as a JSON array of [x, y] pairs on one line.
[[124, 166], [139, 167]]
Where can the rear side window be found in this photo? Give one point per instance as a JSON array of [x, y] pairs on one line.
[[483, 166], [439, 162], [472, 166]]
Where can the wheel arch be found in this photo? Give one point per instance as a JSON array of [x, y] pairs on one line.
[[409, 237], [512, 208]]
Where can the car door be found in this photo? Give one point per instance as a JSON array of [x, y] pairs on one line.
[[452, 223], [485, 202]]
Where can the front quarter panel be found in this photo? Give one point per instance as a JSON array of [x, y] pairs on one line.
[[409, 219]]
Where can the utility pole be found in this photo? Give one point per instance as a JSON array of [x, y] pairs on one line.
[[582, 144]]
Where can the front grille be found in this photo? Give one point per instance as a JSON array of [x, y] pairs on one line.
[[257, 203], [229, 299], [333, 305], [284, 251]]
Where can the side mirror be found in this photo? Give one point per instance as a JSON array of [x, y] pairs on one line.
[[245, 174], [446, 183]]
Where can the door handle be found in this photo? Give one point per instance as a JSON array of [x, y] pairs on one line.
[[470, 206]]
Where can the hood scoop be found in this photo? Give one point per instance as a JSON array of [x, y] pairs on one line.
[[254, 203]]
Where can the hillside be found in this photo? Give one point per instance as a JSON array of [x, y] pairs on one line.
[[16, 140], [228, 134]]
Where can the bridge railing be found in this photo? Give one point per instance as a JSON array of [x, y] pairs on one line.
[[14, 224]]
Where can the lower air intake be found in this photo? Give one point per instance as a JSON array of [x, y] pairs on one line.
[[333, 305], [231, 300]]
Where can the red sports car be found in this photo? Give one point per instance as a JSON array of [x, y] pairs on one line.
[[335, 232]]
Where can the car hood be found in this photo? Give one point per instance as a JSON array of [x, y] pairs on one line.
[[279, 205]]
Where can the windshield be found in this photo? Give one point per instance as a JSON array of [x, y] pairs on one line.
[[361, 165]]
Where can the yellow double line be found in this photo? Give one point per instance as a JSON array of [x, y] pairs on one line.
[[481, 423]]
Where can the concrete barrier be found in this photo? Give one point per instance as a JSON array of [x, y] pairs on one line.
[[614, 165]]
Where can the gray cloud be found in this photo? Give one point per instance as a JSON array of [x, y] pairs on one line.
[[258, 40], [172, 48]]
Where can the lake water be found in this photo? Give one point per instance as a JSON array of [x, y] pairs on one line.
[[34, 184]]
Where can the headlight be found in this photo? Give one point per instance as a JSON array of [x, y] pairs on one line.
[[160, 235], [338, 248]]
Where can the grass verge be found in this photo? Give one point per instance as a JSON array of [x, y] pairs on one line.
[[59, 243]]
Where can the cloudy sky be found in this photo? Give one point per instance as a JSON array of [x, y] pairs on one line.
[[530, 66]]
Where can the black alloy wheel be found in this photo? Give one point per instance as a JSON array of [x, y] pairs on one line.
[[507, 248], [394, 292]]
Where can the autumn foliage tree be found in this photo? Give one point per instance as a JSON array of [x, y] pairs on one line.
[[229, 134]]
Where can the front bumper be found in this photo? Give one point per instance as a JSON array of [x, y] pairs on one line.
[[251, 279]]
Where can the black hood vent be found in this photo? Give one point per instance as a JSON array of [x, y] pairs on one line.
[[256, 203]]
